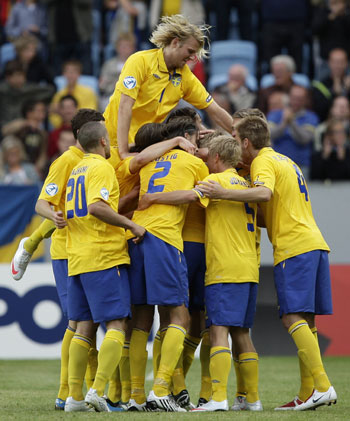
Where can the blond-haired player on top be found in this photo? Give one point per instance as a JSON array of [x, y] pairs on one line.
[[152, 82]]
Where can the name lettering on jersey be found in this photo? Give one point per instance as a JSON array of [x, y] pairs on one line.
[[257, 182], [166, 158], [281, 158], [235, 180], [104, 193], [79, 170], [51, 189], [129, 82]]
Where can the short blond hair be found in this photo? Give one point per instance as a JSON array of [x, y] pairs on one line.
[[206, 139], [177, 26], [227, 148], [256, 130], [249, 112]]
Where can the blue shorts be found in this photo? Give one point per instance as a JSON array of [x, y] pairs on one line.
[[60, 271], [303, 284], [195, 259], [100, 296], [158, 273], [231, 304]]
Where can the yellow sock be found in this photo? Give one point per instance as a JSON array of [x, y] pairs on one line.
[[309, 352], [78, 357], [92, 365], [240, 388], [204, 356], [306, 379], [138, 361], [178, 378], [190, 345], [114, 386], [157, 345], [248, 365], [44, 230], [125, 373], [108, 358], [171, 350], [67, 338], [220, 365]]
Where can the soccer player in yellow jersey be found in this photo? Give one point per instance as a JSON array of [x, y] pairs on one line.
[[53, 194], [301, 269], [152, 82], [98, 285], [232, 274]]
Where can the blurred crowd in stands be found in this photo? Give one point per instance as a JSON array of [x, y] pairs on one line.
[[287, 57]]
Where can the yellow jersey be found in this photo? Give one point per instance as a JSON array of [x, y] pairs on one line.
[[288, 216], [194, 226], [126, 180], [93, 245], [156, 91], [54, 192], [230, 236], [175, 170]]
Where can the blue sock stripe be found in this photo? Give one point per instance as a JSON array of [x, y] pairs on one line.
[[248, 359], [181, 329], [71, 329], [83, 338], [298, 326], [191, 343], [163, 330], [220, 351]]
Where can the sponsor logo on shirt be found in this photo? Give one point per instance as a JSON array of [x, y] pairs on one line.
[[209, 97], [51, 189], [129, 82], [104, 193], [176, 79]]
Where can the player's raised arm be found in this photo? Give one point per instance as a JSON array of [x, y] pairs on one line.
[[178, 197], [124, 120]]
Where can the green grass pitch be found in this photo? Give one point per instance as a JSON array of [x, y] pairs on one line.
[[28, 391]]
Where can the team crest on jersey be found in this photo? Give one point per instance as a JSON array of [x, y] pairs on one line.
[[176, 79], [129, 82], [104, 193], [51, 189]]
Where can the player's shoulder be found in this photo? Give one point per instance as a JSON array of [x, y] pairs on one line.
[[143, 56]]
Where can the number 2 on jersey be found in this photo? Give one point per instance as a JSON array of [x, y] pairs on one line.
[[250, 211], [161, 174], [301, 182], [80, 206]]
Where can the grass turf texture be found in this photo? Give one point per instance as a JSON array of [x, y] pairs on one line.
[[28, 391]]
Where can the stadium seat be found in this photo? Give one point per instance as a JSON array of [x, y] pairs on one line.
[[7, 53], [220, 79], [86, 80], [226, 53], [298, 78]]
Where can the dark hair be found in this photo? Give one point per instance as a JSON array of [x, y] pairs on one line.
[[179, 126], [90, 134], [29, 106], [182, 112], [256, 130], [72, 62], [69, 97], [84, 115], [13, 66], [147, 135]]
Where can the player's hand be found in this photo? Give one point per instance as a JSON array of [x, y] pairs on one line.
[[202, 133], [58, 220], [211, 189], [145, 201], [187, 146], [139, 233]]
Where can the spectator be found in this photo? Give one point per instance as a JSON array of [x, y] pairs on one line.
[[332, 27], [30, 132], [15, 170], [15, 91], [235, 90], [65, 140], [85, 96], [27, 17], [222, 12], [70, 32], [282, 68], [27, 53], [337, 83], [192, 9], [283, 25], [340, 111], [111, 69], [67, 108], [293, 128], [333, 161], [277, 101]]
